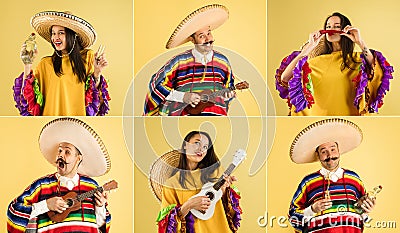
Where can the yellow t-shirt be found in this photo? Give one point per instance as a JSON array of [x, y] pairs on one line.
[[174, 194], [63, 95], [334, 90]]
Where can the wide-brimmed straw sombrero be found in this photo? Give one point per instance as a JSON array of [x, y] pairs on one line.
[[211, 16], [95, 162], [161, 170], [43, 21], [347, 134]]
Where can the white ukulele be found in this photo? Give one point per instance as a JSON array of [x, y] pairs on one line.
[[213, 191]]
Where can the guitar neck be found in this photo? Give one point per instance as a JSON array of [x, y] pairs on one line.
[[222, 91], [221, 180], [88, 194]]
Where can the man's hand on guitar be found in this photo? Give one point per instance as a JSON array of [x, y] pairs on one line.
[[56, 204], [228, 182], [191, 98], [100, 198], [230, 94]]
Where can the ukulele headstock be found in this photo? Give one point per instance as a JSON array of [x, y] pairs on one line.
[[239, 156], [110, 185], [242, 85]]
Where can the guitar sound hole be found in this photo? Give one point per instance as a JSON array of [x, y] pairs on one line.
[[204, 98], [69, 202], [210, 195]]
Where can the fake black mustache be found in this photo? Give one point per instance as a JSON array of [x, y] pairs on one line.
[[209, 42], [61, 162], [329, 159]]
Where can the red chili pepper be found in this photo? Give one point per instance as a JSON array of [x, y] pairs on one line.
[[330, 32]]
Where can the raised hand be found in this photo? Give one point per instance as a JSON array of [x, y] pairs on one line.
[[321, 205], [353, 34], [313, 40], [99, 64]]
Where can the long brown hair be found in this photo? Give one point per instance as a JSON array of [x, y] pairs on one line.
[[346, 44], [76, 57], [208, 164]]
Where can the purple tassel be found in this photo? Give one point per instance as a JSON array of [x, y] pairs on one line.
[[362, 84], [95, 108], [104, 107], [296, 93], [384, 87], [235, 205], [283, 91], [20, 102], [171, 228], [189, 223]]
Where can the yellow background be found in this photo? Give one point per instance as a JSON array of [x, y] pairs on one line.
[[156, 136], [22, 163], [375, 161], [244, 33], [113, 22], [289, 25]]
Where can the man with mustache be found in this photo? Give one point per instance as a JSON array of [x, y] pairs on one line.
[[325, 200], [175, 88], [77, 152]]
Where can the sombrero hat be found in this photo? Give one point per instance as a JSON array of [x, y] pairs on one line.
[[96, 161], [211, 15], [43, 21], [161, 170], [347, 134]]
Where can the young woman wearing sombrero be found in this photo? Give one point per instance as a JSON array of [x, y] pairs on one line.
[[179, 175], [70, 81], [327, 77]]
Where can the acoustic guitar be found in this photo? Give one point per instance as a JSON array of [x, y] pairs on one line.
[[207, 97], [213, 191], [74, 200]]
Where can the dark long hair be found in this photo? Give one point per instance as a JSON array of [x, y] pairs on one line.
[[208, 164], [346, 44], [76, 57]]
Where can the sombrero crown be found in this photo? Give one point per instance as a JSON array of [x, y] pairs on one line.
[[43, 21], [345, 133], [95, 162], [161, 170], [211, 16]]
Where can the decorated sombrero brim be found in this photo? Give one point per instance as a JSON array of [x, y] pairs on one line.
[[211, 16], [161, 170], [347, 134], [43, 21], [95, 162]]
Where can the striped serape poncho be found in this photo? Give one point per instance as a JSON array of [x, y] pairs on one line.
[[82, 220], [341, 217], [183, 73]]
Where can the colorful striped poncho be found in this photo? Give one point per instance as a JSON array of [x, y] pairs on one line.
[[183, 73], [341, 217], [82, 220]]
